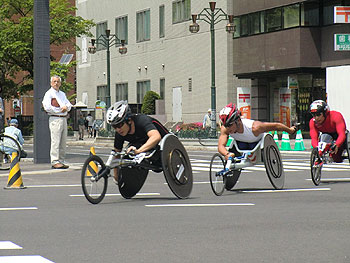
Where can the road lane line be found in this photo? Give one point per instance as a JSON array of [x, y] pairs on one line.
[[17, 208], [332, 179], [53, 185], [199, 205], [24, 259], [286, 190], [139, 194], [9, 245]]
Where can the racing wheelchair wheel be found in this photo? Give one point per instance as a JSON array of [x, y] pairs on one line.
[[315, 170], [273, 162], [176, 166], [93, 182], [6, 141], [131, 180], [231, 179], [216, 174]]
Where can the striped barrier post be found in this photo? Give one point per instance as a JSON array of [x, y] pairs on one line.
[[92, 167], [15, 177]]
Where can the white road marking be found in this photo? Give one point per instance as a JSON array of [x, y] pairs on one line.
[[17, 208], [286, 190], [199, 205], [139, 194], [332, 179], [8, 245], [24, 259], [53, 185]]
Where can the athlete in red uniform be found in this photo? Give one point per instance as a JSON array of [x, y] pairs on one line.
[[327, 122]]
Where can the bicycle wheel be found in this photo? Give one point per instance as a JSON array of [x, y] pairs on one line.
[[216, 174], [94, 185], [8, 144], [315, 169]]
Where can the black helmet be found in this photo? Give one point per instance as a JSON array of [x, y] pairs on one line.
[[118, 112], [319, 106]]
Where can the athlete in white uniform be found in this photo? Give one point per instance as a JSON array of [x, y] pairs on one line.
[[246, 132]]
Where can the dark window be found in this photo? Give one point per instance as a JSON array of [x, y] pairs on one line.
[[100, 30], [291, 16], [273, 19], [254, 23], [310, 13]]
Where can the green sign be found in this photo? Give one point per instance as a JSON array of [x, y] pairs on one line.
[[341, 42]]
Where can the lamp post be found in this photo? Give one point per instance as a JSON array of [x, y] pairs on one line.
[[212, 16], [108, 40]]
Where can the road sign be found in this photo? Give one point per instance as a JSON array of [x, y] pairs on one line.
[[341, 14], [100, 104], [341, 42]]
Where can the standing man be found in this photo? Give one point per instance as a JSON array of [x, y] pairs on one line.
[[207, 120], [57, 105]]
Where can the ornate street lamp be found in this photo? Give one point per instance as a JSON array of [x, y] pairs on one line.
[[212, 16], [108, 40]]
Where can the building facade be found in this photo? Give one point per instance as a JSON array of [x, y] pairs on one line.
[[286, 48], [162, 56]]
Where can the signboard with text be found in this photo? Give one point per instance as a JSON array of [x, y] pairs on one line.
[[285, 106], [342, 14], [244, 101], [341, 42]]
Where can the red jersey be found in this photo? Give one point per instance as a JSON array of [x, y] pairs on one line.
[[334, 123]]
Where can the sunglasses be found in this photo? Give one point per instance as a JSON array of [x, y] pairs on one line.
[[227, 125], [314, 114], [118, 126]]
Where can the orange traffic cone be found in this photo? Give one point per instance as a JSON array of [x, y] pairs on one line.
[[15, 177]]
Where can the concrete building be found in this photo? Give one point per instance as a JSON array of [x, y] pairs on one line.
[[162, 56]]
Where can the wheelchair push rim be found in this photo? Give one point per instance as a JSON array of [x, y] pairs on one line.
[[176, 167], [273, 162], [94, 186]]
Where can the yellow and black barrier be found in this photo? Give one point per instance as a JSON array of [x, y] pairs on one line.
[[92, 167], [15, 177]]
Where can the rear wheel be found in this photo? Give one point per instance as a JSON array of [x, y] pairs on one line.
[[315, 169], [217, 175], [94, 185]]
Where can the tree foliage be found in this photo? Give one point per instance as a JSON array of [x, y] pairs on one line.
[[148, 105], [16, 41]]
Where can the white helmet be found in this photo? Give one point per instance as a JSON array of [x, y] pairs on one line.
[[118, 112]]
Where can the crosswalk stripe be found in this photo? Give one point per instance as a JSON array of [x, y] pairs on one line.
[[24, 259]]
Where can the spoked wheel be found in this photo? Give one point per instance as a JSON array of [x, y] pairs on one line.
[[94, 185], [273, 162], [231, 179], [216, 174], [315, 169], [8, 144]]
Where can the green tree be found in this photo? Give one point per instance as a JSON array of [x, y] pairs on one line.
[[16, 41], [148, 105]]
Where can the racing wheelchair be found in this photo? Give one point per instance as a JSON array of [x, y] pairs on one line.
[[224, 174], [8, 144], [322, 155], [169, 157]]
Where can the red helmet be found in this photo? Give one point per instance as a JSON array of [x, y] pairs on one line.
[[229, 115]]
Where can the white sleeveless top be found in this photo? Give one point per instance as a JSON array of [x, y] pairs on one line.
[[247, 135]]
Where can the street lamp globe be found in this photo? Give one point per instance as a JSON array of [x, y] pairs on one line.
[[194, 27], [92, 48], [230, 27], [123, 49]]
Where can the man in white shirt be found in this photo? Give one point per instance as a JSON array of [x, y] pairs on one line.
[[57, 105]]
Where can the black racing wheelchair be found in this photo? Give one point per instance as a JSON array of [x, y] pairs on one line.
[[169, 157], [224, 174], [321, 155]]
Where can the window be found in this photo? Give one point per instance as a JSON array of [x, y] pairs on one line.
[[121, 28], [162, 88], [100, 30], [121, 91], [291, 16], [328, 10], [237, 23], [254, 23], [143, 26], [244, 25], [142, 88], [273, 19], [161, 21], [181, 11], [310, 14], [103, 95]]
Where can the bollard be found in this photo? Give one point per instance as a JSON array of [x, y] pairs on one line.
[[92, 167], [15, 177]]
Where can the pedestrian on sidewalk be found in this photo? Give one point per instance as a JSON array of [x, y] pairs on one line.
[[90, 121], [81, 124], [57, 106]]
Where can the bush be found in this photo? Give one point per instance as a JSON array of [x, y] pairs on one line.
[[148, 105]]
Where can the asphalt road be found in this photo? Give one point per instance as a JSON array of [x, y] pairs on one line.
[[51, 221]]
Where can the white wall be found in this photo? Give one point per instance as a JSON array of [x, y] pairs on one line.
[[338, 90]]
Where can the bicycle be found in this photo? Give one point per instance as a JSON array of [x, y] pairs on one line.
[[169, 157]]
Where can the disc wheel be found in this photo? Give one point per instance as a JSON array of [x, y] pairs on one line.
[[94, 189], [8, 144], [315, 170], [273, 162], [231, 179], [216, 174]]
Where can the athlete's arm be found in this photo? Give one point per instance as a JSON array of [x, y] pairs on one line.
[[261, 127], [153, 139], [341, 128], [313, 134], [223, 138]]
